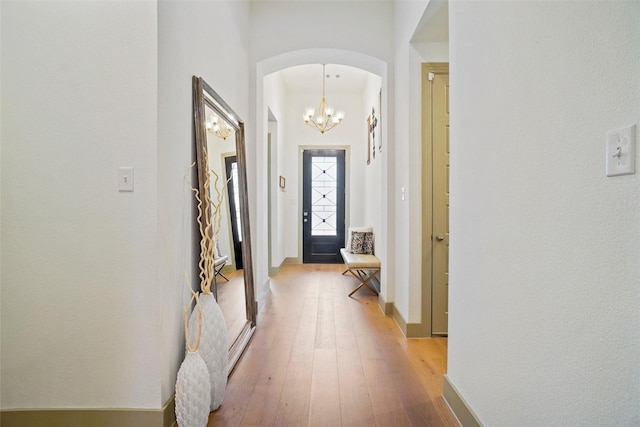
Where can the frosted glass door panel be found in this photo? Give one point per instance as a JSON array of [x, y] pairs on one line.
[[323, 198]]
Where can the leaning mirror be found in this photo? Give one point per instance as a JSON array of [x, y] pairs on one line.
[[220, 153]]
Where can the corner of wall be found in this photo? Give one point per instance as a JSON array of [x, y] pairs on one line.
[[410, 330], [460, 408]]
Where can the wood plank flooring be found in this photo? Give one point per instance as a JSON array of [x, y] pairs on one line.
[[320, 358], [231, 302]]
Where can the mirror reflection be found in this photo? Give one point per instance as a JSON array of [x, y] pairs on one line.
[[220, 152], [229, 279]]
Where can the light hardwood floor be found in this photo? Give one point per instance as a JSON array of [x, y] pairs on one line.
[[231, 302], [320, 358]]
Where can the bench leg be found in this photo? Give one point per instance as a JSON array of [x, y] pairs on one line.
[[218, 272], [364, 280]]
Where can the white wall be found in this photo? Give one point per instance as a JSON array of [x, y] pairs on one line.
[[431, 52], [275, 93], [207, 39], [408, 166], [373, 186], [79, 259], [283, 26], [544, 295], [93, 279]]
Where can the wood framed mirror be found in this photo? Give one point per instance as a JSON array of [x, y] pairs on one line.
[[220, 152]]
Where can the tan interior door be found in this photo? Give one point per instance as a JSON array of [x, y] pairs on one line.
[[440, 238]]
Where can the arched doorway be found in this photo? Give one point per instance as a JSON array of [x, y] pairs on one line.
[[266, 176]]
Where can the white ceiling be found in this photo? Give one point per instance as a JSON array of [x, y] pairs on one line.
[[433, 27], [308, 78]]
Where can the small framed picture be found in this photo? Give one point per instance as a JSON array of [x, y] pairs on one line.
[[282, 182]]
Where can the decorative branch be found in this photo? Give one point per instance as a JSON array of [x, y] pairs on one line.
[[209, 224], [217, 206], [195, 295], [196, 194]]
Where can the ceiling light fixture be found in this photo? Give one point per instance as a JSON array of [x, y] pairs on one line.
[[323, 118], [218, 127]]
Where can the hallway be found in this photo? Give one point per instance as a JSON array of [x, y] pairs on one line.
[[321, 358]]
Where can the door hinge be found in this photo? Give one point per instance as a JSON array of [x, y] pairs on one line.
[[431, 76]]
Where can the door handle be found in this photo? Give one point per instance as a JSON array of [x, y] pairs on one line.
[[439, 237]]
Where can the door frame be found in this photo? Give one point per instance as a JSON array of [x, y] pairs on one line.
[[347, 193], [272, 200], [427, 191]]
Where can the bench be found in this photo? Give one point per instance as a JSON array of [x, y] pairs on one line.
[[363, 267], [219, 262]]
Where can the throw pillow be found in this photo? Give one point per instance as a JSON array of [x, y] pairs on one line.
[[357, 242], [367, 246], [350, 232], [361, 243]]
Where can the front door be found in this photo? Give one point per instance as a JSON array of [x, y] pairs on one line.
[[322, 206], [233, 190]]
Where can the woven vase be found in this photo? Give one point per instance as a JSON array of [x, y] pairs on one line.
[[213, 346], [193, 392]]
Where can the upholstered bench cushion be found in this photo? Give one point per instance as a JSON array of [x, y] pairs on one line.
[[359, 260], [221, 260]]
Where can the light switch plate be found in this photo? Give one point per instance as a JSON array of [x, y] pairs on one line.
[[125, 179], [621, 151]]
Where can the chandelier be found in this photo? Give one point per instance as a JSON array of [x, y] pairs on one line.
[[218, 127], [323, 118]]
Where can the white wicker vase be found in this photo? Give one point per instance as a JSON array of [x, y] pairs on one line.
[[193, 392], [213, 345]]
